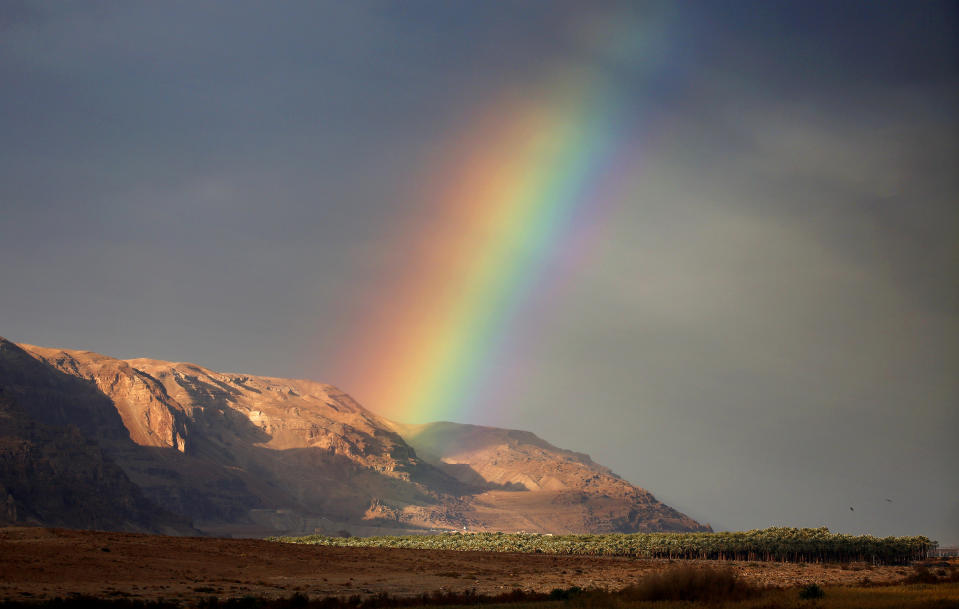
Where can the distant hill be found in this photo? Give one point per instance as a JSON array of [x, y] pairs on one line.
[[566, 491], [176, 444]]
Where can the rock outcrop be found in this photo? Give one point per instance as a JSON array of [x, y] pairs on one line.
[[55, 474], [238, 454]]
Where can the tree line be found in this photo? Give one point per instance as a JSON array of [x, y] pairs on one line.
[[772, 544]]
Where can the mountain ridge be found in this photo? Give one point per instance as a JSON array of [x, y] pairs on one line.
[[241, 454]]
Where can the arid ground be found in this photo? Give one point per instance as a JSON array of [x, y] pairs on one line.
[[38, 563]]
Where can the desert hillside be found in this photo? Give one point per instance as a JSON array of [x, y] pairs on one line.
[[238, 454], [567, 491]]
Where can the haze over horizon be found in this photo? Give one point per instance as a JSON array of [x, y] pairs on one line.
[[750, 308]]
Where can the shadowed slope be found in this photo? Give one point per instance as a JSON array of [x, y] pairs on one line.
[[53, 473]]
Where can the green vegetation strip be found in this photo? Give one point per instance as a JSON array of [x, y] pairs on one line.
[[773, 544]]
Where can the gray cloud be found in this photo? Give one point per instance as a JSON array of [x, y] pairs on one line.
[[774, 318]]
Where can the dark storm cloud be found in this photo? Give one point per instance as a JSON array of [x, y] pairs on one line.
[[783, 287], [768, 330]]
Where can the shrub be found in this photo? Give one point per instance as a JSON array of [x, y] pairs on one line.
[[921, 575], [811, 591], [690, 584], [562, 594]]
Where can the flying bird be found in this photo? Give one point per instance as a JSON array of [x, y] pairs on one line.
[[850, 509], [889, 500]]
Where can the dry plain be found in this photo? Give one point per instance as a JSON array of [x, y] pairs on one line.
[[38, 563]]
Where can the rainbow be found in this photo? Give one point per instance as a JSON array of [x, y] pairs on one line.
[[530, 174]]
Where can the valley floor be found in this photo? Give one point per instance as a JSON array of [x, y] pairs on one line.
[[39, 563]]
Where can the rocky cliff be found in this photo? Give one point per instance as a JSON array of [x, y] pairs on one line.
[[249, 455], [55, 474]]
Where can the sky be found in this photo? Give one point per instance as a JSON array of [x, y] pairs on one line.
[[713, 245]]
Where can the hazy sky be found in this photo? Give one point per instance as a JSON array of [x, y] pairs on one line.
[[764, 332]]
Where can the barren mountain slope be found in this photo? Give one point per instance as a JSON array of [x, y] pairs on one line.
[[567, 491], [243, 454], [271, 454]]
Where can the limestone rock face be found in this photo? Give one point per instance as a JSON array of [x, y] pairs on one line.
[[250, 455], [148, 413]]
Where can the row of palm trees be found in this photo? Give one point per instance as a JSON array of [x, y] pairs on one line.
[[773, 544]]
